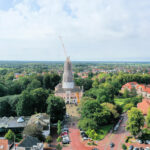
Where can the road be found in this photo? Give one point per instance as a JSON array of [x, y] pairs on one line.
[[117, 138]]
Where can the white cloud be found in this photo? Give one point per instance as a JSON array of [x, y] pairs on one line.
[[84, 24]]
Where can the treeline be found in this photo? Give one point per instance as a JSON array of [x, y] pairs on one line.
[[8, 86]]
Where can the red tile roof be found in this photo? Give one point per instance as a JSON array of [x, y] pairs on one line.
[[144, 106]]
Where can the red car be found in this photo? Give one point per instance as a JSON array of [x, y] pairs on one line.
[[64, 133]]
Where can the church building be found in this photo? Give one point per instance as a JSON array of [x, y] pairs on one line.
[[67, 89]]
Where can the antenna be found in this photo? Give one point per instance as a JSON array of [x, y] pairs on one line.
[[63, 46]]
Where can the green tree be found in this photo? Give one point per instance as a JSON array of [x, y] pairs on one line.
[[40, 96], [25, 105], [59, 147], [128, 106], [10, 135], [135, 121], [148, 118], [56, 108], [33, 130], [5, 108], [124, 147], [126, 93], [34, 84], [58, 127]]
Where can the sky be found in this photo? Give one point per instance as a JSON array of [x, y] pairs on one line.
[[92, 30]]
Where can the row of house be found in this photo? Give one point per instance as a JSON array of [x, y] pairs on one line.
[[141, 89], [17, 124]]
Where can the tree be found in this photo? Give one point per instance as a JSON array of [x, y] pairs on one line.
[[135, 121], [56, 108], [58, 127], [10, 135], [5, 108], [124, 147], [92, 134], [148, 118], [128, 107], [25, 105], [48, 139], [59, 147], [33, 130], [3, 90], [112, 109], [40, 96], [126, 93], [34, 84]]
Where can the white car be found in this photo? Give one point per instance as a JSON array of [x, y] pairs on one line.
[[147, 148], [148, 141]]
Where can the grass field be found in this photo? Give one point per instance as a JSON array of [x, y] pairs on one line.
[[120, 101], [104, 131]]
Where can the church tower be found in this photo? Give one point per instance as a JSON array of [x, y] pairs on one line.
[[67, 82]]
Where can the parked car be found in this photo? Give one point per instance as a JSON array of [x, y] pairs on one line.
[[131, 147], [112, 145], [65, 141], [65, 129], [136, 148], [147, 148], [64, 133], [139, 141], [95, 149], [141, 148], [147, 141]]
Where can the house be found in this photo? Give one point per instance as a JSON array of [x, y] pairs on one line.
[[42, 121], [141, 89], [30, 143], [16, 124], [144, 106], [129, 86]]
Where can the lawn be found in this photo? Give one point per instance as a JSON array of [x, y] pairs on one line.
[[104, 131], [120, 101]]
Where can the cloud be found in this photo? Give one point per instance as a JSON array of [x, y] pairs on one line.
[[87, 26]]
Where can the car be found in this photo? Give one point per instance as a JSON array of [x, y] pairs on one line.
[[112, 145], [65, 126], [147, 141], [147, 148], [139, 141], [131, 147], [65, 129], [64, 133], [64, 141], [141, 148], [136, 148], [84, 135], [82, 132], [86, 138], [95, 149], [66, 138]]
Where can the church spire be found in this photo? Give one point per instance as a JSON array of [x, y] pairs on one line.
[[67, 75]]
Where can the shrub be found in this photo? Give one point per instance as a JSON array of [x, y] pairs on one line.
[[48, 139], [59, 147], [59, 139], [128, 138], [124, 147]]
